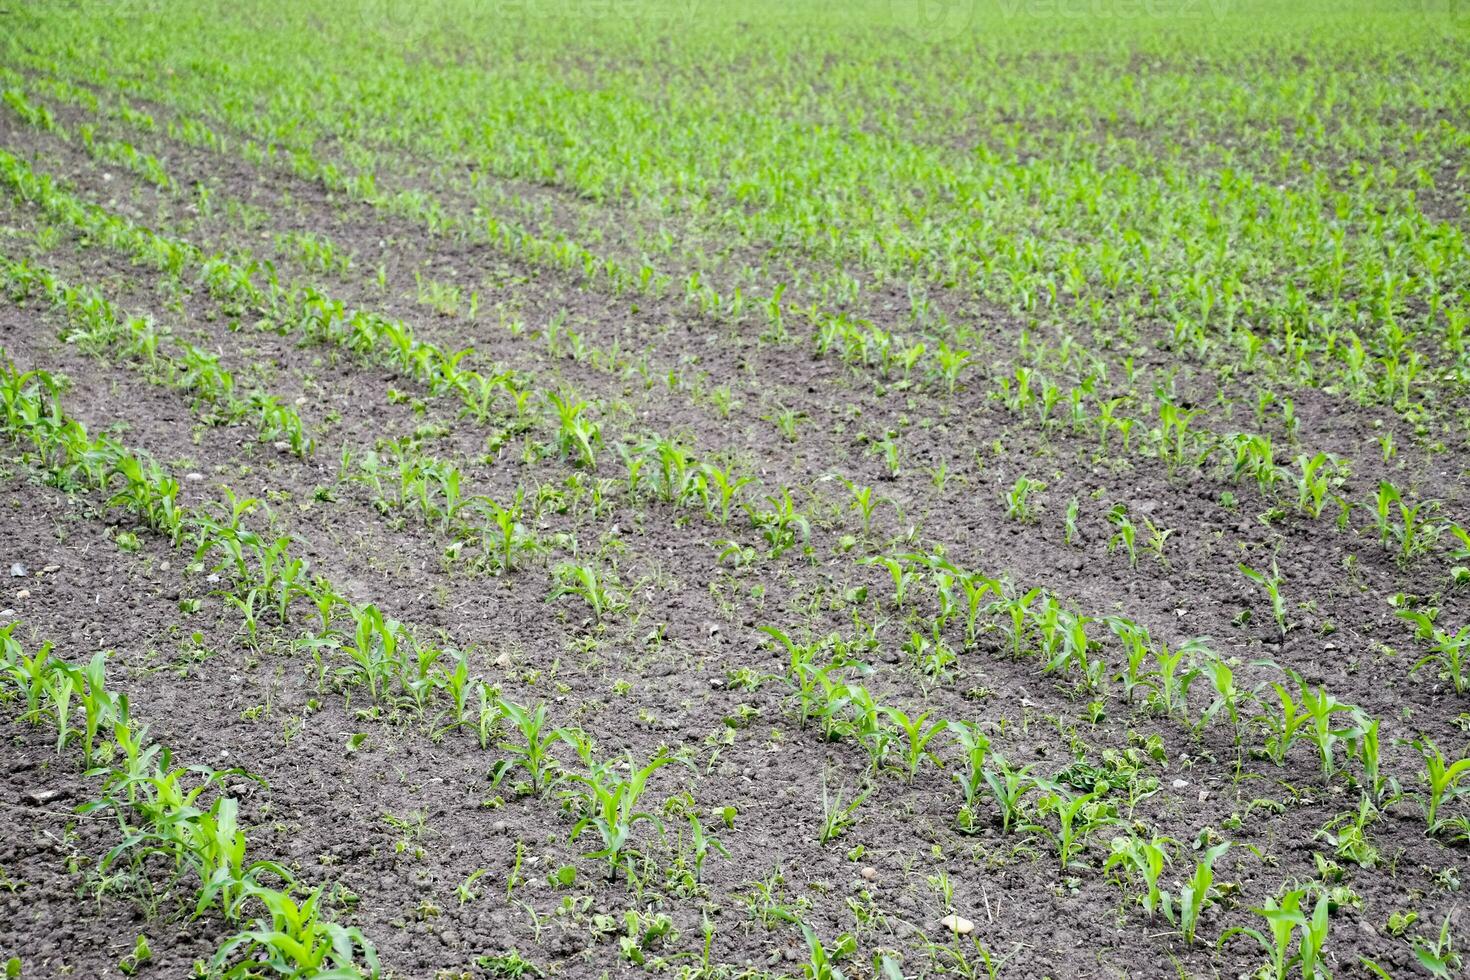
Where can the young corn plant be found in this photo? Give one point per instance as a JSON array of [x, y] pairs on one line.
[[1347, 833], [1077, 818], [1363, 746], [677, 476], [1460, 574], [1009, 786], [976, 587], [1444, 782], [577, 436], [30, 676], [1284, 917], [916, 738], [590, 585], [1174, 673], [1144, 860], [1137, 649], [822, 963], [1195, 895], [900, 575], [839, 811], [1067, 647], [856, 712], [1283, 725], [377, 655], [1271, 583], [225, 875], [1227, 696], [99, 705], [1439, 955], [782, 526], [949, 363], [863, 502], [970, 775], [726, 485], [504, 538], [1318, 708], [1450, 657], [528, 742], [293, 939], [1173, 435], [1400, 527], [1126, 535], [1013, 612], [609, 804], [1319, 475], [1018, 500], [1070, 533], [702, 844]]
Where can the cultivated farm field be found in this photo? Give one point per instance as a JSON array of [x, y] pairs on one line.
[[767, 490]]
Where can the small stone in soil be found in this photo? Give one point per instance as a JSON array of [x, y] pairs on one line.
[[870, 873], [957, 924], [41, 797], [17, 570]]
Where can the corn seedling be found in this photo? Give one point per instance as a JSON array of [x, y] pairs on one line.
[[1438, 955], [1450, 657], [1400, 528], [531, 752], [916, 738], [821, 963], [1144, 860], [1444, 781], [782, 526], [839, 812], [971, 774], [1126, 535], [1195, 895], [609, 804], [589, 585], [1018, 500], [1318, 707], [577, 437], [1271, 583], [1077, 818], [292, 939], [727, 486], [1319, 474], [375, 649], [1284, 917], [1009, 786]]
